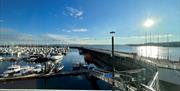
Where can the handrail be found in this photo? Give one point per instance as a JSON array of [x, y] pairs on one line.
[[150, 86], [155, 77]]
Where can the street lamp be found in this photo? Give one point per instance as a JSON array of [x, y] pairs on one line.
[[112, 34]]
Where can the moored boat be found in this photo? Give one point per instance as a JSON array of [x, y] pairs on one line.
[[12, 69], [57, 57], [38, 68], [58, 67], [1, 58]]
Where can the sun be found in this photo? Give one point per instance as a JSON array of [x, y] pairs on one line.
[[149, 23]]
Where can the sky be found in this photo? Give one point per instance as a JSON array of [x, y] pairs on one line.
[[88, 21]]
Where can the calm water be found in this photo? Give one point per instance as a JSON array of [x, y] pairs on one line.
[[67, 82], [149, 51]]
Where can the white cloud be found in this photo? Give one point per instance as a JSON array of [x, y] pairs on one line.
[[77, 13], [79, 30], [75, 30], [68, 31]]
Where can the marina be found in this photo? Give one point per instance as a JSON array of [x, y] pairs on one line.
[[66, 72], [47, 58], [123, 45]]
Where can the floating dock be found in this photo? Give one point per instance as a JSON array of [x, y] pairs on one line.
[[36, 76]]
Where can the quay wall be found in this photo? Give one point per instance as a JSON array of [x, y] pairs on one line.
[[119, 62]]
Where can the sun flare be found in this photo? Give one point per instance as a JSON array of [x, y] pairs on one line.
[[149, 23]]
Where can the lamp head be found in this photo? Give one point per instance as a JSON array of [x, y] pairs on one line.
[[112, 33]]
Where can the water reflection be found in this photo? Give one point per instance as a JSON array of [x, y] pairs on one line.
[[148, 51], [159, 52]]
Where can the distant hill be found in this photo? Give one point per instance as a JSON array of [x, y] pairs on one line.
[[164, 44]]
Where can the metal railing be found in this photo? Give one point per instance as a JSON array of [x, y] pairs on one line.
[[153, 85]]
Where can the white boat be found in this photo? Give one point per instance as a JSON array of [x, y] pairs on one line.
[[12, 69], [16, 70], [32, 58], [1, 58], [56, 57], [26, 69], [4, 75], [37, 69], [59, 68], [19, 73], [18, 54]]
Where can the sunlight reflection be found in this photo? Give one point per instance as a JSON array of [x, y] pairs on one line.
[[148, 51]]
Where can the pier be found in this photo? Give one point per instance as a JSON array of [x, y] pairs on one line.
[[131, 57]]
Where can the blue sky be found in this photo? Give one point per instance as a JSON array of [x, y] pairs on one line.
[[88, 21]]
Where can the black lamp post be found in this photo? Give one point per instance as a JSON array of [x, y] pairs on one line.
[[112, 33]]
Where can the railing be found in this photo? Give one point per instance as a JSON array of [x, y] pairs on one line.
[[154, 82], [153, 85]]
